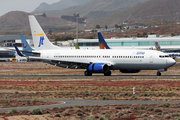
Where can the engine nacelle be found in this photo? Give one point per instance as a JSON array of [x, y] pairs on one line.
[[98, 68], [129, 71]]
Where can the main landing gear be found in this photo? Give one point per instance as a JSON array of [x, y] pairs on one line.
[[158, 74], [86, 73], [108, 73]]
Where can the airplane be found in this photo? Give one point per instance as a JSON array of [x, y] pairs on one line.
[[172, 53], [97, 61]]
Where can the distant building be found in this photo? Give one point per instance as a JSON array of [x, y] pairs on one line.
[[6, 42], [129, 43]]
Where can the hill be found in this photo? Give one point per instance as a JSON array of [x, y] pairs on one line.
[[96, 9], [18, 21], [152, 10], [59, 5]]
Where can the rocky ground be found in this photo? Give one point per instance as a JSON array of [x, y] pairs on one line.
[[95, 88], [120, 112], [21, 103]]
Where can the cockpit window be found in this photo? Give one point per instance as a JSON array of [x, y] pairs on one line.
[[163, 56]]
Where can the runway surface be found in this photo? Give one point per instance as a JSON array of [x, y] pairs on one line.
[[67, 103], [90, 77]]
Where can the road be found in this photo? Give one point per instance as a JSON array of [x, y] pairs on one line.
[[90, 77], [67, 103]]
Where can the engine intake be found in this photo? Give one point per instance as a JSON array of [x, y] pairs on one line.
[[98, 68]]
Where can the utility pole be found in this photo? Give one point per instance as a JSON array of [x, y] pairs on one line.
[[76, 15]]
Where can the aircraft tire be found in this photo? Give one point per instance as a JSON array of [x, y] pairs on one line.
[[158, 74], [86, 73], [108, 73]]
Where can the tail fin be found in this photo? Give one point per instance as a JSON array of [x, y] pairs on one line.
[[41, 42], [25, 45], [102, 42], [77, 46], [158, 48]]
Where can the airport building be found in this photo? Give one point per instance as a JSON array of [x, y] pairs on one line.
[[8, 40], [6, 46], [139, 43]]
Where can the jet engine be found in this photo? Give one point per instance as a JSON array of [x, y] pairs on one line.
[[98, 68]]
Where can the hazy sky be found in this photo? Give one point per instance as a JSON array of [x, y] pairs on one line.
[[21, 5]]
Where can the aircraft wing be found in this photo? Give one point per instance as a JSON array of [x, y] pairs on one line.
[[67, 63], [63, 63], [33, 53], [57, 62]]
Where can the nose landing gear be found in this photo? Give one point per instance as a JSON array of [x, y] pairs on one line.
[[158, 74], [161, 70], [108, 73]]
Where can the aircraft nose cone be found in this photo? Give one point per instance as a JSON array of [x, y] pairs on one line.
[[171, 62]]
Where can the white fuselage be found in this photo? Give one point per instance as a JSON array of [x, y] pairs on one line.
[[118, 59]]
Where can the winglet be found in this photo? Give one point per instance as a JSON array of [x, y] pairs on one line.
[[158, 48], [102, 42], [17, 50]]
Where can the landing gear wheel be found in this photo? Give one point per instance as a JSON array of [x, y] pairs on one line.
[[158, 74], [108, 73], [86, 73]]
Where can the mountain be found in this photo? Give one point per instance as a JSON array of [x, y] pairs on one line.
[[59, 5], [96, 9], [18, 21], [152, 10]]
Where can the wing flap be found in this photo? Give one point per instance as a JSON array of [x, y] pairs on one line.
[[63, 63]]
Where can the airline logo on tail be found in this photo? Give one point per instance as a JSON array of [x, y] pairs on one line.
[[102, 43], [41, 39], [158, 48], [23, 45]]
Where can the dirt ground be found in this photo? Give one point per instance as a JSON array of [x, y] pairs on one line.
[[90, 89], [118, 112]]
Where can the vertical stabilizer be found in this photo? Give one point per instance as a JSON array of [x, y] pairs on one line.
[[102, 42], [158, 48], [25, 45], [41, 42], [76, 46]]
